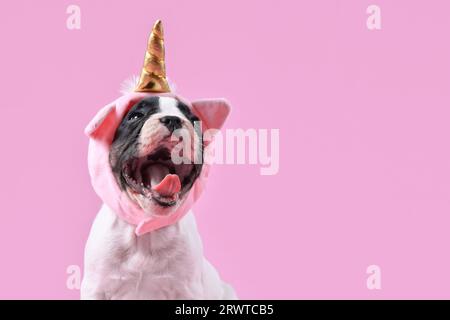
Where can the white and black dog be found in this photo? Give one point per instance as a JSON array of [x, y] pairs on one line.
[[166, 263]]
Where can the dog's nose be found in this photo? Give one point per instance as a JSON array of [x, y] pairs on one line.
[[171, 122]]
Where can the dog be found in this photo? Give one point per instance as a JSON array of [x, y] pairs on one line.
[[146, 162], [166, 263]]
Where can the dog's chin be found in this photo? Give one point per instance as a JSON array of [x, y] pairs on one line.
[[154, 205], [156, 184]]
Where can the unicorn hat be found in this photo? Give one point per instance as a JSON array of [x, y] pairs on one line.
[[101, 130]]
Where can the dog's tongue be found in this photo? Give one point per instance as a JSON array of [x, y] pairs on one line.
[[162, 182], [168, 186]]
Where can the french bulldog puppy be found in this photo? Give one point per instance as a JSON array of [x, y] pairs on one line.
[[159, 254]]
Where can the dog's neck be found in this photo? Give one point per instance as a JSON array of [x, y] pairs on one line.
[[161, 239], [164, 239]]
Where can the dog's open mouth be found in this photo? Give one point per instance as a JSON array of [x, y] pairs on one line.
[[155, 176]]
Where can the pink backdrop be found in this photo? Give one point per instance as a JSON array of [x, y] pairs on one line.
[[364, 128]]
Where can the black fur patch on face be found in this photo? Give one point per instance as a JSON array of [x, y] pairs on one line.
[[125, 143], [186, 111]]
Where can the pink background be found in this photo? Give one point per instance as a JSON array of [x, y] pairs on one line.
[[364, 123]]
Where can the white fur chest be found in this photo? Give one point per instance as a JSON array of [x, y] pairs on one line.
[[164, 264]]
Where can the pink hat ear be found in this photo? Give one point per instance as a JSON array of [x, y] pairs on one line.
[[98, 126], [213, 112]]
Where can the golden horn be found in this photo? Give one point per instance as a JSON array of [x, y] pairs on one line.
[[153, 74]]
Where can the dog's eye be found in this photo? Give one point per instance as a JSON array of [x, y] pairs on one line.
[[134, 116]]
